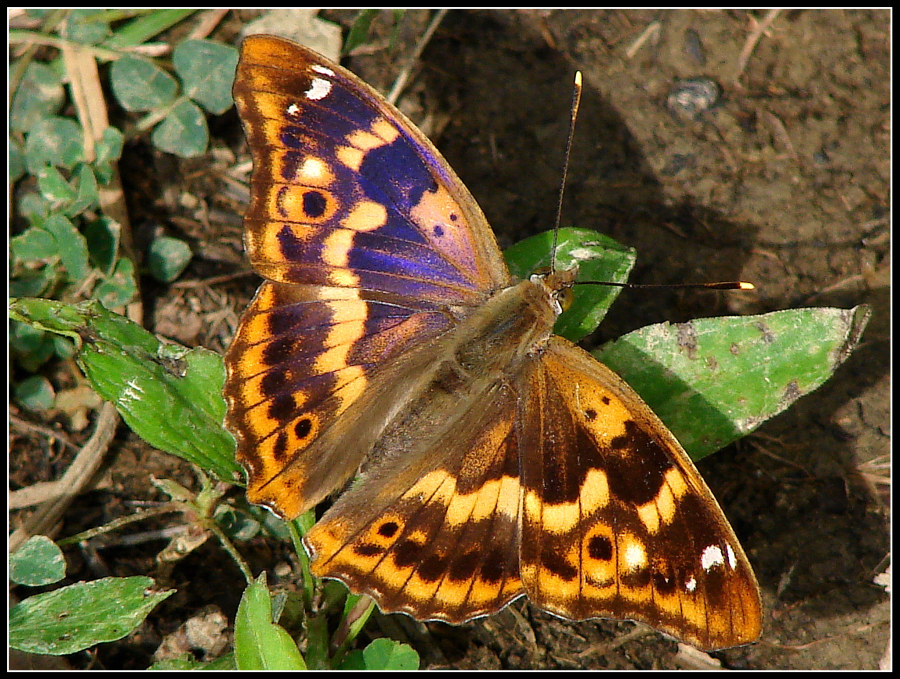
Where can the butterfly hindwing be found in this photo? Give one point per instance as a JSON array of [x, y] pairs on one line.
[[616, 520], [431, 531]]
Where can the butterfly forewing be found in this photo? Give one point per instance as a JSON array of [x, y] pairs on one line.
[[367, 240], [616, 520], [347, 192]]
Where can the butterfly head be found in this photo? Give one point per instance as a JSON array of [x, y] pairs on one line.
[[557, 285]]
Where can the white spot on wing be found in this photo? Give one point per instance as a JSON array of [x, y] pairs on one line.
[[318, 89], [634, 556], [312, 168], [293, 110], [691, 584], [711, 557], [324, 70], [732, 559]]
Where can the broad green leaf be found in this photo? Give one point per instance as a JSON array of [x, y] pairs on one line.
[[260, 643], [83, 26], [713, 380], [37, 562], [32, 206], [54, 187], [33, 245], [32, 347], [73, 618], [33, 282], [169, 395]]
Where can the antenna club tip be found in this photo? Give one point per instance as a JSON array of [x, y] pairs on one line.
[[744, 285], [577, 78]]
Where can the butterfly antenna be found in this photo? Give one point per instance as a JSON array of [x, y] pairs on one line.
[[723, 285], [573, 114]]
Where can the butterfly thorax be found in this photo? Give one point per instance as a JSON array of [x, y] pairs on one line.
[[513, 325]]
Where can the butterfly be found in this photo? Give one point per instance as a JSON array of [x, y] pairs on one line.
[[390, 353]]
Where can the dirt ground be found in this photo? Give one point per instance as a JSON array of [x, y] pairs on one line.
[[783, 182]]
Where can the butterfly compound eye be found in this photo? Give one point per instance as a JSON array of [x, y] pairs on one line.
[[565, 297]]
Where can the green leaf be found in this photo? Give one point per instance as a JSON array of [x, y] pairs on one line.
[[170, 396], [206, 69], [102, 236], [119, 288], [260, 643], [35, 393], [37, 562], [33, 245], [182, 132], [33, 207], [147, 26], [16, 159], [33, 282], [32, 347], [713, 380], [87, 196], [359, 31], [383, 654], [109, 148], [168, 257], [82, 26], [140, 85], [237, 524], [54, 187], [598, 257], [39, 94], [73, 618], [358, 608], [53, 141], [71, 247]]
